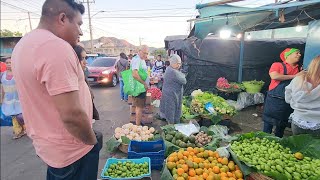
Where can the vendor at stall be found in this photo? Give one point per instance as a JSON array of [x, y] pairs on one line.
[[303, 94], [172, 91], [276, 110]]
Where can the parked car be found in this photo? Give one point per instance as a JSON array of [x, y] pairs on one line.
[[103, 71]]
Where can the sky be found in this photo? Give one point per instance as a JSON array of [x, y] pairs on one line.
[[137, 21]]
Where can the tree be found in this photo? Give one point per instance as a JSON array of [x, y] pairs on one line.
[[161, 51], [7, 33]]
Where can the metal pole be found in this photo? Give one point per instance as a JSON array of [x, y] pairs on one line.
[[30, 21], [273, 31], [90, 27], [240, 70]]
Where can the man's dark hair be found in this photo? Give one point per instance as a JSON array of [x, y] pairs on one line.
[[53, 8], [159, 55]]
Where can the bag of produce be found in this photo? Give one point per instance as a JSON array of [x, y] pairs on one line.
[[187, 129]]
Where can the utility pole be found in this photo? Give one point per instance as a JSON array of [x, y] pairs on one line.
[[273, 31], [90, 26], [29, 21], [140, 41]]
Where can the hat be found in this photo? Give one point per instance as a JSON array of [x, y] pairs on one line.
[[287, 52]]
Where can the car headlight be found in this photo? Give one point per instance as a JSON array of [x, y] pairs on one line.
[[106, 72]]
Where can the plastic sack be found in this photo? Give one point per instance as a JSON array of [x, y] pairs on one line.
[[223, 152], [258, 98], [209, 107], [187, 129], [156, 103], [233, 103], [245, 99], [221, 132]]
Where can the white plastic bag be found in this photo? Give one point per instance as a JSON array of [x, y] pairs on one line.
[[258, 98], [223, 152], [156, 103], [233, 103], [189, 128]]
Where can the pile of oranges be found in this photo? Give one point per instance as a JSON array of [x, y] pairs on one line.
[[200, 164]]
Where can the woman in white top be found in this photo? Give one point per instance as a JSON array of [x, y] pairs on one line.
[[303, 94]]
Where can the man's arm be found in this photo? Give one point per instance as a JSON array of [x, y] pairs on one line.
[[74, 117], [135, 75], [280, 77]]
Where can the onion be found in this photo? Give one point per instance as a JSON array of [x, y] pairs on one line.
[[152, 130]]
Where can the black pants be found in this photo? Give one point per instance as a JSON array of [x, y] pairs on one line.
[[276, 113]]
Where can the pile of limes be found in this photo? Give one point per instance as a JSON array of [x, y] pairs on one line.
[[127, 169], [271, 157]]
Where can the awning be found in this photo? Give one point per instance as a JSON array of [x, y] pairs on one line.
[[242, 19]]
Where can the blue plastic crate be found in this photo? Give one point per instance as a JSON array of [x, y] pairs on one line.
[[155, 150], [114, 160]]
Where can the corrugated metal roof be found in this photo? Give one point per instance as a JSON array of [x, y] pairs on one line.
[[242, 19]]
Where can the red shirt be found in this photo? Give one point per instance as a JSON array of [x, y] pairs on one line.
[[277, 67]]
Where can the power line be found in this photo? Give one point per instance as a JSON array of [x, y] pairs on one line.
[[137, 17], [16, 7], [132, 10], [28, 4]]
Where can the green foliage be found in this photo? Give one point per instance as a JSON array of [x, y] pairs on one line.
[[7, 33], [162, 52]]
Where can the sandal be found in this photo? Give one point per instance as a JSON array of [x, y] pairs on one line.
[[19, 135]]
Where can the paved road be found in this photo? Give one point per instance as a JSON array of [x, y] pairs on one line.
[[18, 158]]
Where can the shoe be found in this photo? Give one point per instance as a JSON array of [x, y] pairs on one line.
[[20, 135]]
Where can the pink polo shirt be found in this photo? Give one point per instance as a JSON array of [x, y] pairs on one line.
[[44, 66]]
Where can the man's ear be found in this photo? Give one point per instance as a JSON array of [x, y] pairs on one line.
[[62, 18]]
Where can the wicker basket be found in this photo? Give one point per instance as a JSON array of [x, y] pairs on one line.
[[123, 148]]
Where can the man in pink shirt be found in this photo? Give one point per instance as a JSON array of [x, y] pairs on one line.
[[56, 102]]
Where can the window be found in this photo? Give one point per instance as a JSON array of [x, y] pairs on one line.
[[103, 62]]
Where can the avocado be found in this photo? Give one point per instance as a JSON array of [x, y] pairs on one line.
[[173, 133], [185, 139], [183, 144], [192, 139], [189, 144], [178, 141], [169, 137], [173, 140], [179, 135]]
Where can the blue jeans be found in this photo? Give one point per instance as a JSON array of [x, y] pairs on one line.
[[123, 95], [85, 168]]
